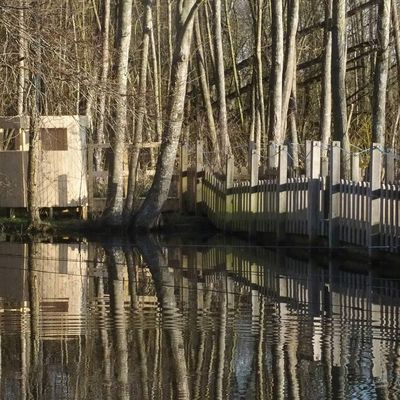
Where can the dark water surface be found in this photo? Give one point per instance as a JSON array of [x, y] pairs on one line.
[[151, 321]]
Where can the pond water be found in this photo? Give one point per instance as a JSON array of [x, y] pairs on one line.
[[159, 320]]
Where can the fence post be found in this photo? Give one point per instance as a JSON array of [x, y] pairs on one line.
[[281, 187], [334, 194], [272, 155], [355, 167], [389, 166], [375, 195], [90, 178], [308, 158], [313, 191], [199, 173], [254, 161], [183, 201], [229, 176]]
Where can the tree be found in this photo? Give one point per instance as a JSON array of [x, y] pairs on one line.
[[339, 62], [147, 216], [115, 193], [381, 73]]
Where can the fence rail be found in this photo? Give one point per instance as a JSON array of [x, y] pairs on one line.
[[356, 212]]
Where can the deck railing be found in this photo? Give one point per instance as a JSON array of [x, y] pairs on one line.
[[360, 212]]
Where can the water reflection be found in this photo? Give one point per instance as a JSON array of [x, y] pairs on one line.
[[147, 321]]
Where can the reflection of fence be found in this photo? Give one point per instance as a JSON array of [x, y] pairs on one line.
[[317, 204]]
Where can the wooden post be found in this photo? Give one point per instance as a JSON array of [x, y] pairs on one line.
[[199, 176], [230, 165], [90, 182], [281, 188], [272, 155], [334, 194], [308, 158], [355, 167], [254, 161], [313, 191], [375, 195], [183, 201], [389, 166]]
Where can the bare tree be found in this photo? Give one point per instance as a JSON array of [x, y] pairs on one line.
[[149, 212], [339, 61], [116, 179], [381, 73]]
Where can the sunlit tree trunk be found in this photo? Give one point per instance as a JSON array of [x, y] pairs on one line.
[[115, 193], [141, 107], [381, 73], [326, 101], [222, 109], [275, 128], [148, 214], [21, 53], [206, 94], [105, 66], [339, 60]]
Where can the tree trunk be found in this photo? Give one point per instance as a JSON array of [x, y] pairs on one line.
[[205, 91], [115, 193], [326, 107], [223, 113], [138, 137], [381, 74], [148, 214], [34, 138], [275, 128], [21, 51], [105, 65], [290, 65], [339, 58]]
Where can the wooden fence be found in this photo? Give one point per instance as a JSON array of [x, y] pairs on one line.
[[360, 212]]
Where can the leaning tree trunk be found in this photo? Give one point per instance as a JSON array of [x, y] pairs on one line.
[[275, 127], [148, 214], [381, 73], [115, 195], [339, 59]]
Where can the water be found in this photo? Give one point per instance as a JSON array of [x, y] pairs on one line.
[[163, 321]]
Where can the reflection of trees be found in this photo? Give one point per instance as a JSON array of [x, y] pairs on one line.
[[172, 318], [36, 371], [116, 265]]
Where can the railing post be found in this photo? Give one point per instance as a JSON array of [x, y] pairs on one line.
[[254, 161], [199, 172], [389, 166], [375, 195], [229, 176], [281, 187], [90, 178], [355, 167], [272, 155], [313, 191], [183, 201], [308, 158], [334, 194]]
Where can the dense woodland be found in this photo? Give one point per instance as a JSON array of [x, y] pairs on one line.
[[224, 71]]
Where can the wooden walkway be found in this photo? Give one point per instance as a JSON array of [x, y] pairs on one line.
[[316, 205]]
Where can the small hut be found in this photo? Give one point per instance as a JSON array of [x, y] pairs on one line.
[[62, 174]]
